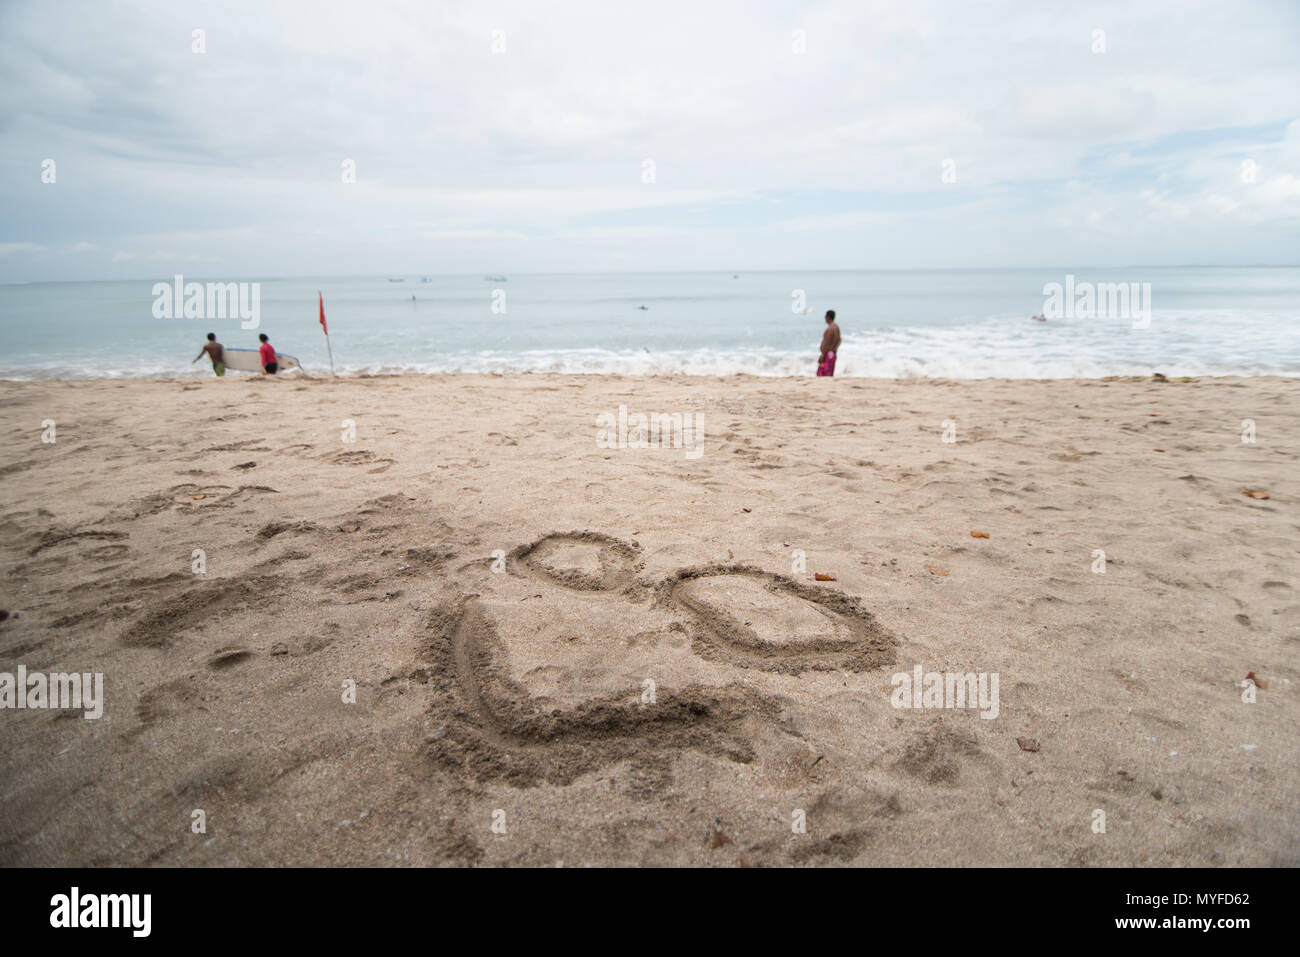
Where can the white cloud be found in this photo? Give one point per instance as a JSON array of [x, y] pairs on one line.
[[14, 249], [236, 152]]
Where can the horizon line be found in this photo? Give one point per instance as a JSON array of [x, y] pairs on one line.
[[662, 272]]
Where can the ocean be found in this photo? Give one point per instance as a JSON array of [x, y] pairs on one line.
[[899, 323]]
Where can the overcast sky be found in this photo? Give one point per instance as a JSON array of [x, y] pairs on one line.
[[230, 162]]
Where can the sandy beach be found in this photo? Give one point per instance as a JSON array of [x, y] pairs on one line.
[[568, 653]]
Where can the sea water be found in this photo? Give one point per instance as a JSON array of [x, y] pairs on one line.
[[928, 323]]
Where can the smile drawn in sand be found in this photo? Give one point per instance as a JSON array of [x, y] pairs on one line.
[[489, 725]]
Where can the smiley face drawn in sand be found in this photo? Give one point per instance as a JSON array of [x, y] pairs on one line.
[[571, 660]]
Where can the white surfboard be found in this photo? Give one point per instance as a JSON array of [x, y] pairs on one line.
[[249, 360]]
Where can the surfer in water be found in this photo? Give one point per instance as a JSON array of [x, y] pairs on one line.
[[830, 346], [266, 352], [213, 350]]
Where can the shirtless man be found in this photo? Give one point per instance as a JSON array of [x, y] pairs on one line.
[[830, 346], [213, 349]]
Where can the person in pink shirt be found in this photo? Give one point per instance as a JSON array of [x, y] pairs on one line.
[[266, 353]]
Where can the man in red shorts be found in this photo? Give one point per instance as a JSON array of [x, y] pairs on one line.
[[830, 346]]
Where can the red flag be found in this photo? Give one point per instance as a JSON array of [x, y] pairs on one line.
[[322, 314]]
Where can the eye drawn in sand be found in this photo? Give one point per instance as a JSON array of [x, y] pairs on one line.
[[586, 561], [752, 618], [543, 676]]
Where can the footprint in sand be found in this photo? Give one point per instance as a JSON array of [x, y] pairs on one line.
[[595, 492], [360, 457], [570, 660], [229, 658]]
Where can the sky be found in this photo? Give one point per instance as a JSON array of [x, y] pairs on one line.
[[329, 138]]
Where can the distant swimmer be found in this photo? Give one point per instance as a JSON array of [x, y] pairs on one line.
[[830, 346], [1038, 318], [643, 308], [213, 350], [266, 353]]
